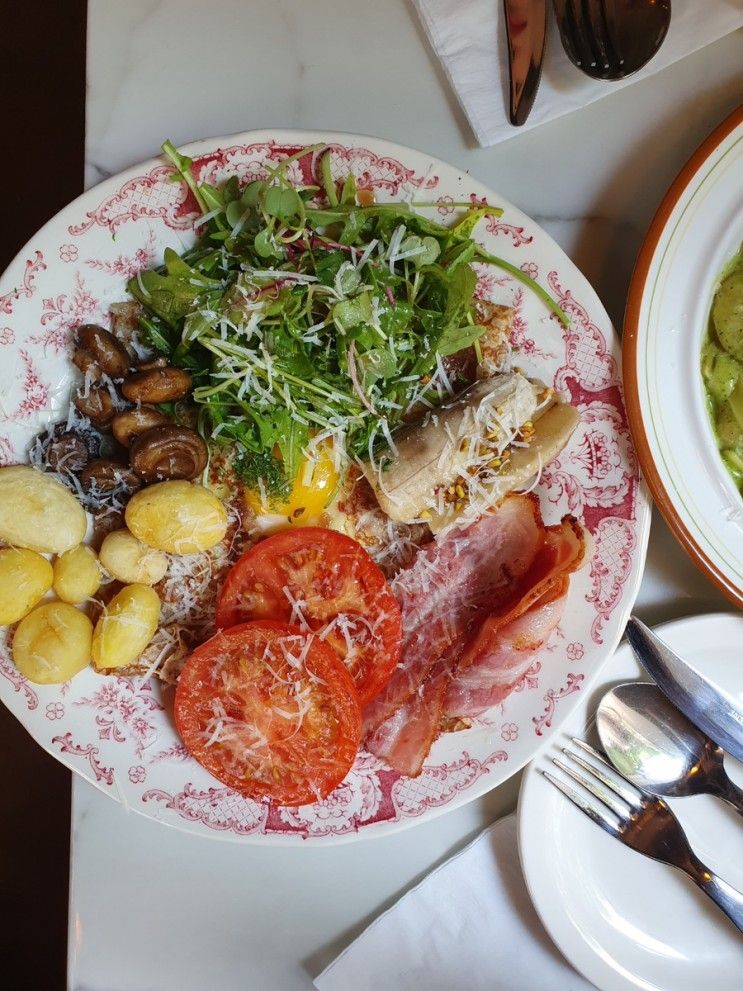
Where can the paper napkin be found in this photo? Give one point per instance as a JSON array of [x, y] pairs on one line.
[[469, 37], [469, 926]]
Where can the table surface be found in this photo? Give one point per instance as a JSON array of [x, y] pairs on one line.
[[151, 908]]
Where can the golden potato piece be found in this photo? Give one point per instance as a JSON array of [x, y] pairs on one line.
[[52, 643], [77, 574], [25, 578], [129, 560], [38, 512], [178, 517], [727, 313], [126, 627]]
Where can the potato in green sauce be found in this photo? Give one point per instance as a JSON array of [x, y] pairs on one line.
[[722, 368]]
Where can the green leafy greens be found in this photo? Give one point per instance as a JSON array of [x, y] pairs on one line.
[[305, 314]]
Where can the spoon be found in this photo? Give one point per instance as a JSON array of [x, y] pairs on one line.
[[611, 39], [656, 747]]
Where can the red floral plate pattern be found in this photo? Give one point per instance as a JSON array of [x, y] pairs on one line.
[[118, 734]]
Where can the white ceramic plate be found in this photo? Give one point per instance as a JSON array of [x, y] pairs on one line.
[[622, 920], [698, 228], [121, 737]]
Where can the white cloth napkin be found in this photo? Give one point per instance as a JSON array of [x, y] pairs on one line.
[[469, 37], [468, 926]]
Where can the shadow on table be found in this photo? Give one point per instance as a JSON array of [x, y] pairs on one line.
[[671, 567], [606, 251]]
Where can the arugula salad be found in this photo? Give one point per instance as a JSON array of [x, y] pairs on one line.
[[310, 315]]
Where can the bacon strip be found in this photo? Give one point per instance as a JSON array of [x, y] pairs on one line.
[[469, 638], [502, 658], [498, 656], [501, 655], [449, 590], [404, 740]]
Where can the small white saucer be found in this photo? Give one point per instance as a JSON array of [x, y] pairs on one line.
[[623, 920]]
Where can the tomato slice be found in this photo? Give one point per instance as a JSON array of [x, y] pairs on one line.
[[271, 711], [323, 581]]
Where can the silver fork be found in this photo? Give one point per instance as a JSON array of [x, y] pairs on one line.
[[641, 821]]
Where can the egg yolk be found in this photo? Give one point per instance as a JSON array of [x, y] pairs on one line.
[[311, 492]]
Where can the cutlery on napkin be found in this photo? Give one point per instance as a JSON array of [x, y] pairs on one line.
[[470, 924], [470, 40], [526, 30]]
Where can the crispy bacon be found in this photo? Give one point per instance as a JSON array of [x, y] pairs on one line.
[[500, 661], [476, 607], [449, 590], [404, 740], [501, 655]]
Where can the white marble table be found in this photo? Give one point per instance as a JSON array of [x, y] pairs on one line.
[[159, 910]]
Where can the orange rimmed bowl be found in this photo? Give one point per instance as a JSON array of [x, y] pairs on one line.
[[697, 229]]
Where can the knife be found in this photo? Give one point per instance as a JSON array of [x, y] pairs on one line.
[[526, 29], [712, 710]]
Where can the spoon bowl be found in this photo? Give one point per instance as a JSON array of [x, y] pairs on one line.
[[611, 39], [656, 747]]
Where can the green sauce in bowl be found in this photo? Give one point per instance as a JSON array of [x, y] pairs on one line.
[[722, 367]]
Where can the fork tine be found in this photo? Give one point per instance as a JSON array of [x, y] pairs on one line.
[[579, 25], [594, 34], [588, 749], [609, 798], [578, 54], [598, 816], [614, 780], [616, 64]]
